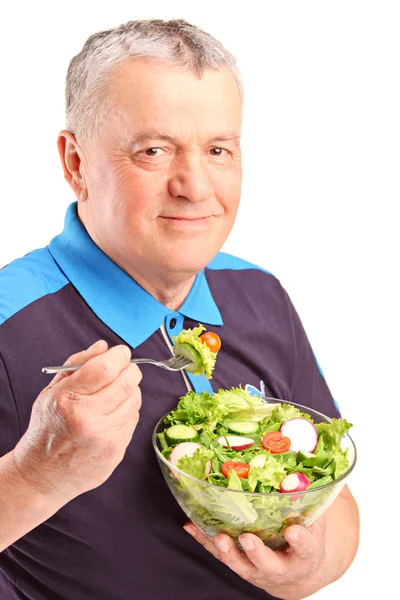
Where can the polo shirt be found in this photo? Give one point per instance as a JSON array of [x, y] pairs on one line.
[[124, 540]]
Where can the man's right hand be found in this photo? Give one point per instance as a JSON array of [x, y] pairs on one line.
[[81, 423]]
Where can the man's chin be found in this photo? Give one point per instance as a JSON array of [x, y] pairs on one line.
[[187, 263]]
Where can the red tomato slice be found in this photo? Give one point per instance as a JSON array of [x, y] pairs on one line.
[[212, 340], [242, 469], [275, 442]]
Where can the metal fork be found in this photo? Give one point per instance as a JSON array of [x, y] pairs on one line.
[[176, 363]]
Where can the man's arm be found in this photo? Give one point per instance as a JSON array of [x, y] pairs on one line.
[[342, 535], [22, 506], [79, 429]]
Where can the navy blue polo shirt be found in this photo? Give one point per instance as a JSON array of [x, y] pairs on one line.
[[124, 540]]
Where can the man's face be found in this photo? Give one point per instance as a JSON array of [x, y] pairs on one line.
[[164, 177]]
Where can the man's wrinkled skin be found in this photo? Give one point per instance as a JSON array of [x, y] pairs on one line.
[[82, 423]]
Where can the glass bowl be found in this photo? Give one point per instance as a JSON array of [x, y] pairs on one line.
[[217, 509]]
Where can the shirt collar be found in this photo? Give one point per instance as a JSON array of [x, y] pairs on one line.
[[116, 298]]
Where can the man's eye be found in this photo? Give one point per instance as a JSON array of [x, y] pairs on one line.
[[152, 151], [217, 151]]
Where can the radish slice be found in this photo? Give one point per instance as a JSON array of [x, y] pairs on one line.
[[236, 442], [301, 433], [295, 482], [185, 449]]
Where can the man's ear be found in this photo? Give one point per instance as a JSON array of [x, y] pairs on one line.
[[71, 156]]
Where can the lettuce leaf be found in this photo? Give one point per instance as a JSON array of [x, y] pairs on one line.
[[272, 473], [330, 434], [237, 400], [195, 465], [199, 410], [231, 509], [208, 358]]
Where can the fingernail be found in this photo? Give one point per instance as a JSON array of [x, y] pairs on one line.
[[189, 529], [292, 536], [98, 343], [222, 545], [127, 351], [247, 543]]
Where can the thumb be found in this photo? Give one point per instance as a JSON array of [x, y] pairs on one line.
[[80, 358]]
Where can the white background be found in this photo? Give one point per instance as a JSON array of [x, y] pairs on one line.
[[321, 180]]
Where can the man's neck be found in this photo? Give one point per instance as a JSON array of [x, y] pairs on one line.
[[171, 294]]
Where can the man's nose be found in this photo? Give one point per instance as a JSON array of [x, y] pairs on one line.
[[189, 179]]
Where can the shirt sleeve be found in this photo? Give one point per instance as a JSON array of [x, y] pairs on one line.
[[9, 422], [309, 386]]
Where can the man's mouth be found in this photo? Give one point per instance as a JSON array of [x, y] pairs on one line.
[[186, 223], [177, 218]]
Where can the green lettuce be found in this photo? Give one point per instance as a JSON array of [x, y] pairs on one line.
[[195, 465], [208, 358], [200, 410], [238, 400], [206, 411], [216, 506], [272, 473], [330, 434]]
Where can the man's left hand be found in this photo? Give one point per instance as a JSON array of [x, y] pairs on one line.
[[293, 573]]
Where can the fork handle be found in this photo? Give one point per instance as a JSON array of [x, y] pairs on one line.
[[66, 369]]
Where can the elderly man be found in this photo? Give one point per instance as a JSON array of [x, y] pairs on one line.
[[152, 153]]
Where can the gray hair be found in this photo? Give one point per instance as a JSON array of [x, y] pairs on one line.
[[175, 41]]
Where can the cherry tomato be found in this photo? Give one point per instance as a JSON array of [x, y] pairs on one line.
[[241, 469], [275, 442], [212, 340]]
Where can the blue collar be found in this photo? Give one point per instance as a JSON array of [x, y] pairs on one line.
[[114, 296]]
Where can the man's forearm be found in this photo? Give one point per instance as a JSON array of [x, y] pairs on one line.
[[342, 535], [22, 507]]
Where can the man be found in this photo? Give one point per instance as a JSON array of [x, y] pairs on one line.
[[152, 153]]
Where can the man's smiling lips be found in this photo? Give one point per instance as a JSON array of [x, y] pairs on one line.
[[187, 222]]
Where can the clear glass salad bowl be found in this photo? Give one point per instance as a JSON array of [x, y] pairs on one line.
[[216, 509]]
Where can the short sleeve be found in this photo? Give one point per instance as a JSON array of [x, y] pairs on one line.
[[309, 387], [9, 422]]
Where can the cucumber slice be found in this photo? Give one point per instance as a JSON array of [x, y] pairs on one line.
[[307, 458], [241, 427], [188, 351], [258, 461], [181, 433]]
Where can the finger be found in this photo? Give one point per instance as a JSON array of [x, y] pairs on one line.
[[80, 358], [268, 561], [200, 537], [126, 386], [305, 543], [126, 416], [234, 559], [97, 373], [224, 548]]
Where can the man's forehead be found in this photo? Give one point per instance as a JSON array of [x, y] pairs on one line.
[[137, 65], [162, 101], [147, 77]]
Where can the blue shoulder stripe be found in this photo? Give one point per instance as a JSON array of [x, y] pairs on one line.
[[27, 279], [228, 261]]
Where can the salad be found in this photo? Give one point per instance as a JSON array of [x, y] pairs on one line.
[[200, 348], [230, 442]]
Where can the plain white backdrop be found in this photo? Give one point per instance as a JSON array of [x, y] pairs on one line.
[[321, 148]]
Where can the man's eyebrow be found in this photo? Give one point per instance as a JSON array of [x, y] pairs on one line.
[[229, 137], [164, 137], [150, 135]]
